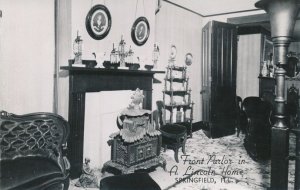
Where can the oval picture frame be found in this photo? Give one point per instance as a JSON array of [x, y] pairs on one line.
[[140, 31], [188, 59], [98, 22]]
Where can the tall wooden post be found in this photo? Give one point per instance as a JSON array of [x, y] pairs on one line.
[[282, 15], [280, 132]]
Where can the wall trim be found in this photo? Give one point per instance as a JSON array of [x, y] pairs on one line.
[[167, 1], [232, 12], [211, 15], [56, 54]]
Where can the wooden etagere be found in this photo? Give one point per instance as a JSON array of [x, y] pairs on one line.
[[177, 85]]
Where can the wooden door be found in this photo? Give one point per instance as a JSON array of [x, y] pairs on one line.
[[206, 72], [219, 77]]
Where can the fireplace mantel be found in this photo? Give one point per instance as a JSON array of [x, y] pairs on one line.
[[83, 80]]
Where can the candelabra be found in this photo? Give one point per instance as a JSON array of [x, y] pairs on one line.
[[122, 52], [121, 56], [77, 49], [113, 55], [155, 55]]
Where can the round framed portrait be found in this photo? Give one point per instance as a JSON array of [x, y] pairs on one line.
[[98, 22], [140, 31]]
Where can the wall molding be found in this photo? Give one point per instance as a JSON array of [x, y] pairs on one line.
[[210, 15], [167, 1]]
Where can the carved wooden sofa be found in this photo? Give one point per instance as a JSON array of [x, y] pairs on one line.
[[32, 151]]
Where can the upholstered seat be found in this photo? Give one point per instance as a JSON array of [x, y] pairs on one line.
[[173, 137], [134, 181], [32, 152], [239, 116], [258, 130], [19, 172], [292, 106]]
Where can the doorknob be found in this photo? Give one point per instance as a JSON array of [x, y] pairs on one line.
[[202, 91]]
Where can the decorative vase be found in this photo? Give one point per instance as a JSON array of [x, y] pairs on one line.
[[264, 70]]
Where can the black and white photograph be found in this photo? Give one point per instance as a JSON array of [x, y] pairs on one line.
[[149, 94], [98, 22], [140, 31]]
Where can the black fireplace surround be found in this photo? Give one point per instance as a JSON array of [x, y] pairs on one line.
[[83, 80]]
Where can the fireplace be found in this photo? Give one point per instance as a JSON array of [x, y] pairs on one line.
[[85, 80]]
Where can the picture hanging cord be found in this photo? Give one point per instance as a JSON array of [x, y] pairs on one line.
[[136, 6], [92, 3], [144, 7]]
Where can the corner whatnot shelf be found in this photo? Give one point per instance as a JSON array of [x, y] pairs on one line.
[[186, 105]]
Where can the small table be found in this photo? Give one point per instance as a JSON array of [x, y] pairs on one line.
[[174, 137]]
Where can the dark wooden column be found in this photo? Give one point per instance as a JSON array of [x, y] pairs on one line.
[[280, 131], [76, 120], [84, 80]]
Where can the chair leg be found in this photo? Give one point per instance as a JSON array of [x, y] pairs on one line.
[[66, 184], [176, 155], [183, 144], [238, 132]]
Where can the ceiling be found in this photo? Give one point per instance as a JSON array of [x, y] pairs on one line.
[[215, 7]]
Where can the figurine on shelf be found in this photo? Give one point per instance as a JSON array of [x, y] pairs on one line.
[[264, 70], [173, 54], [122, 53], [155, 55], [77, 49], [179, 115], [271, 66], [100, 57]]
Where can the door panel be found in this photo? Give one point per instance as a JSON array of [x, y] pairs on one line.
[[219, 76], [206, 72]]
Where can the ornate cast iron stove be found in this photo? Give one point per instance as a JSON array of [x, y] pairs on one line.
[[137, 144]]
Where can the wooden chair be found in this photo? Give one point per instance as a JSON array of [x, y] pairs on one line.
[[33, 148], [173, 135], [258, 130], [292, 105], [239, 116]]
